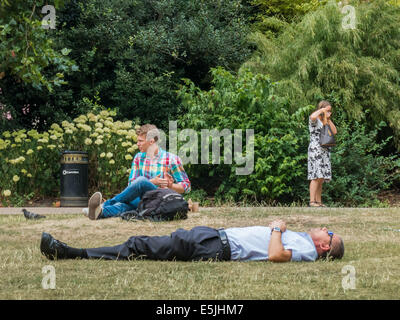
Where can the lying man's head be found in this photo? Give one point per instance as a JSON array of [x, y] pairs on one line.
[[328, 244]]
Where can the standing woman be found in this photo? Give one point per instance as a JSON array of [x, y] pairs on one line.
[[319, 162]]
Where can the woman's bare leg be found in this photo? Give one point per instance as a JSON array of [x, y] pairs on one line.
[[313, 190], [318, 194]]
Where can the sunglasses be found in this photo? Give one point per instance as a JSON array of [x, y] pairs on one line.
[[330, 233], [325, 254]]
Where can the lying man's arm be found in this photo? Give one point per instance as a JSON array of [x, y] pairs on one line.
[[276, 251]]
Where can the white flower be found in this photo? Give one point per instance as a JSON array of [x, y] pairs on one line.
[[65, 123], [122, 132], [18, 160], [98, 142], [128, 157], [111, 161], [92, 117], [15, 178], [81, 119], [7, 193], [102, 155], [55, 126], [108, 123], [109, 155], [104, 113], [88, 141]]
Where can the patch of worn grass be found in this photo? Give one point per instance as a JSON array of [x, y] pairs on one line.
[[370, 247]]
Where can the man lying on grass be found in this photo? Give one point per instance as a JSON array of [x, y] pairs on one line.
[[272, 243]]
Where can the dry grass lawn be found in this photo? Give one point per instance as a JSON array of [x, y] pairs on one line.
[[372, 247]]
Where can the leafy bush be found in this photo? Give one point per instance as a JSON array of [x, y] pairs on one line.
[[25, 48], [272, 16], [30, 65], [248, 101], [131, 54], [30, 161], [316, 56], [360, 171]]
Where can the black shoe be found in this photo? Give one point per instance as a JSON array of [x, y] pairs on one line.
[[31, 215], [52, 248]]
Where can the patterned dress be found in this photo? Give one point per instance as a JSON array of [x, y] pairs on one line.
[[319, 158]]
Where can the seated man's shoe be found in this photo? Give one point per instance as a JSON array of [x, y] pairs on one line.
[[52, 248], [95, 206]]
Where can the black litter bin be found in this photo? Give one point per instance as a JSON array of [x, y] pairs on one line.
[[74, 179]]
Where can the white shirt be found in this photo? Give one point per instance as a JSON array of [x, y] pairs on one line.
[[251, 243]]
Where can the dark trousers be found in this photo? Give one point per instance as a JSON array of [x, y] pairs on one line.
[[199, 243]]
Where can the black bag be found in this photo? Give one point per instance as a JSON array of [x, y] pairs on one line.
[[326, 137], [159, 205]]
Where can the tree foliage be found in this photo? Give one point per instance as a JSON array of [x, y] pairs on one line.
[[133, 55], [358, 68], [30, 65], [271, 16], [26, 49], [249, 101]]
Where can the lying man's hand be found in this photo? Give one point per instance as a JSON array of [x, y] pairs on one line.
[[278, 223]]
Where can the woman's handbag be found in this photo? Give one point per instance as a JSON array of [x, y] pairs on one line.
[[326, 137]]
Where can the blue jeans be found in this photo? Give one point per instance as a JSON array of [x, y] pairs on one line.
[[128, 199]]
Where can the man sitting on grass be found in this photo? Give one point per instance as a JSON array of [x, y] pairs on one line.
[[152, 167], [272, 243]]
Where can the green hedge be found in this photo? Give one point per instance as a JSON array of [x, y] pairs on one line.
[[31, 160], [248, 101]]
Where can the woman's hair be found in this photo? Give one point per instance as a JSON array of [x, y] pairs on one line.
[[322, 104]]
